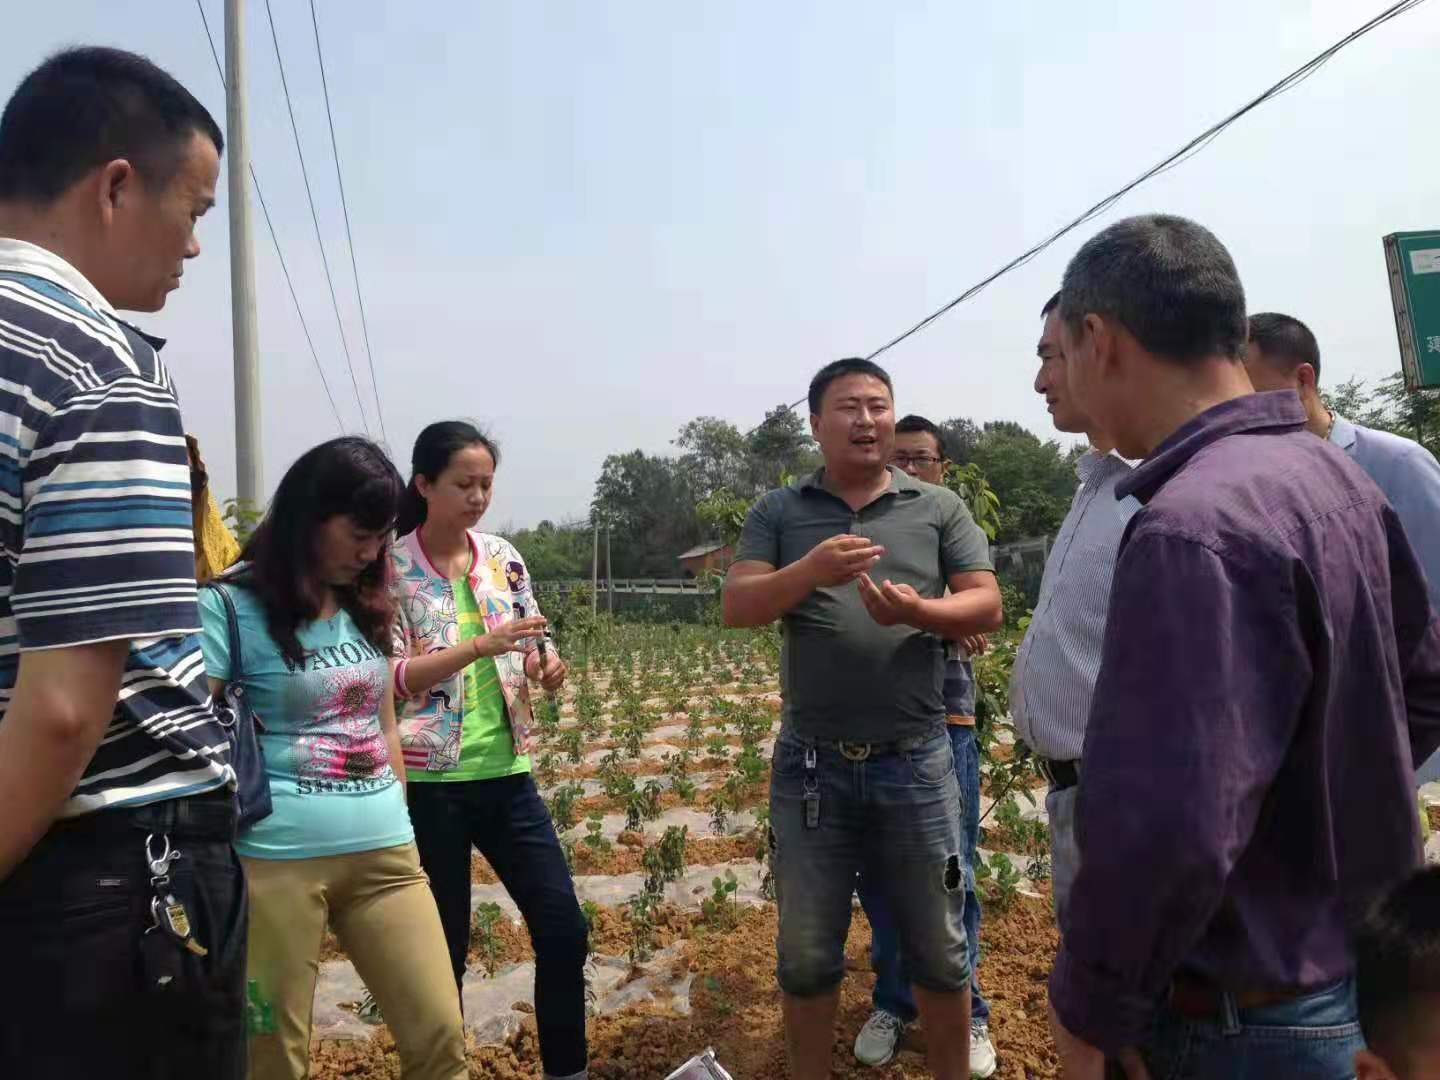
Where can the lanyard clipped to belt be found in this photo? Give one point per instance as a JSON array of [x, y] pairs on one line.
[[812, 790]]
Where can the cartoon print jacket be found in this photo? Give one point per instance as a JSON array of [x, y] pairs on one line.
[[426, 621]]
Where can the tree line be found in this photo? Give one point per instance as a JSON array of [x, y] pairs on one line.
[[659, 505], [656, 506]]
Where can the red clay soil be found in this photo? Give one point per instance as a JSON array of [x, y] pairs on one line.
[[736, 1009]]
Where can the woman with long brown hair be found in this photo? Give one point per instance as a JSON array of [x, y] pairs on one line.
[[303, 627]]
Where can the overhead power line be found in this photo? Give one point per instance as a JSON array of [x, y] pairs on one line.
[[274, 237], [315, 218], [349, 236], [1194, 146]]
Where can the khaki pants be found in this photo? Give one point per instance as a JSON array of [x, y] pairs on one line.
[[383, 914]]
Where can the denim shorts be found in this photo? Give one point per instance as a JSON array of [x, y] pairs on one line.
[[896, 817]]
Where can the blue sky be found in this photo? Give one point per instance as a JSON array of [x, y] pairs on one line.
[[583, 224]]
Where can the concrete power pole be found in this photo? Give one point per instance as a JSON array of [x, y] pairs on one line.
[[248, 464]]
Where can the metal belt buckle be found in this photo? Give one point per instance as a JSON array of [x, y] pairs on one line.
[[855, 751]]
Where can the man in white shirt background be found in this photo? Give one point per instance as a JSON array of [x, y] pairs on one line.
[[1059, 659]]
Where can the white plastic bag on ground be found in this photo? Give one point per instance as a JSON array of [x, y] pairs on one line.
[[701, 1067]]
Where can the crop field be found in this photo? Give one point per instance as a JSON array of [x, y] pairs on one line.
[[654, 762]]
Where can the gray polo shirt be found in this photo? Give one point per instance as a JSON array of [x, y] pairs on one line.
[[842, 674]]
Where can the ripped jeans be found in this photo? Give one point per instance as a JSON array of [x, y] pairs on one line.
[[892, 981], [896, 818]]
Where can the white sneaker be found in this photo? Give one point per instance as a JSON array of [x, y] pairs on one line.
[[369, 1011], [876, 1043], [982, 1050]]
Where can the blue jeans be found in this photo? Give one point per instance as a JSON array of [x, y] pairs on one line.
[[1310, 1038], [893, 992], [895, 816]]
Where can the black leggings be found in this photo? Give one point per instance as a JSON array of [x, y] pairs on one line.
[[507, 821]]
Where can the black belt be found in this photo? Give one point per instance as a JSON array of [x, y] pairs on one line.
[[863, 751], [1059, 774], [211, 815]]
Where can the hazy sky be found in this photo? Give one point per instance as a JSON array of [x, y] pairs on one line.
[[584, 223]]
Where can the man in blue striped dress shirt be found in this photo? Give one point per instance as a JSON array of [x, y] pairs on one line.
[[122, 904], [1059, 659]]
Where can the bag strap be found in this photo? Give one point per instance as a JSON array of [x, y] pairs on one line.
[[232, 629]]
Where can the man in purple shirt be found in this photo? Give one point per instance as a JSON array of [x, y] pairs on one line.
[[1270, 672]]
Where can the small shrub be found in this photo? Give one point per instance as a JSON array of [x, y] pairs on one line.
[[487, 916], [593, 838], [562, 805], [719, 910]]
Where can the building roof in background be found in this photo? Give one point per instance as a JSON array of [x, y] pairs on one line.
[[701, 549]]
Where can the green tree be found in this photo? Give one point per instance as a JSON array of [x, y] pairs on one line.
[[970, 484], [961, 438], [780, 446], [555, 552], [1353, 400], [1414, 414], [648, 505], [1034, 480], [723, 515], [715, 456]]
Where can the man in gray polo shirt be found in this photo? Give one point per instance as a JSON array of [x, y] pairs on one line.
[[856, 560]]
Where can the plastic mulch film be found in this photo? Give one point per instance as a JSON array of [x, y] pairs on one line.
[[701, 1067]]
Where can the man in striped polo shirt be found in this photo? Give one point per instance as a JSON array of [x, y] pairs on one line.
[[1059, 659], [122, 905]]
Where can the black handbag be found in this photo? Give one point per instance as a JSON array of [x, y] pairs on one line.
[[242, 727]]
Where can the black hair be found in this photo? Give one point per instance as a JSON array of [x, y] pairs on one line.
[[84, 107], [1397, 963], [434, 447], [836, 369], [350, 476], [909, 425], [1050, 305], [1285, 341], [1165, 279]]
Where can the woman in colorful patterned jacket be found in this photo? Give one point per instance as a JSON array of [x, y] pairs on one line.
[[309, 652], [469, 639]]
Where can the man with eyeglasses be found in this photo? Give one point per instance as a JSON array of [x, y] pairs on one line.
[[920, 453]]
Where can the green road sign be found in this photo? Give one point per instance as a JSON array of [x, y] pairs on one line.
[[1413, 259]]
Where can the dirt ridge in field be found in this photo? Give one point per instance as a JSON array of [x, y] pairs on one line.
[[735, 1007]]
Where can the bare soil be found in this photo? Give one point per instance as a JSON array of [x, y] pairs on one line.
[[735, 1007]]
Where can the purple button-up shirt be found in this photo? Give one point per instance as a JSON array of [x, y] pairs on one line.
[[1271, 671]]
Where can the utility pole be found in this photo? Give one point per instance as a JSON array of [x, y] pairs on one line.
[[609, 572], [248, 465], [595, 572]]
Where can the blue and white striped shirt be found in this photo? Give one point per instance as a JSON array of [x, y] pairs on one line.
[[96, 541], [1059, 660]]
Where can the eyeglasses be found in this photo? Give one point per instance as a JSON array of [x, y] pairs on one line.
[[904, 460]]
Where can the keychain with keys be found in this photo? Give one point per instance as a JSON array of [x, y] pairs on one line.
[[170, 916], [167, 914], [812, 791]]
